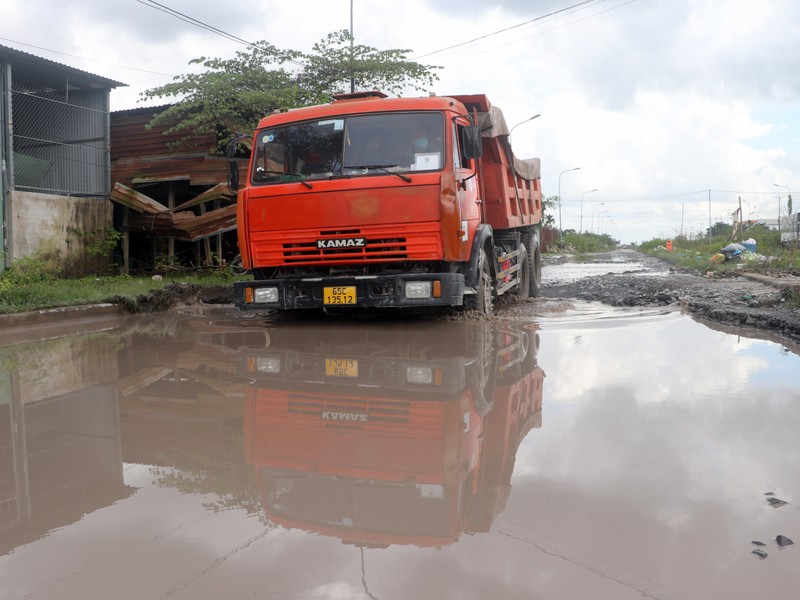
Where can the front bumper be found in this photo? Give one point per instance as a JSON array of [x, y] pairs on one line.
[[371, 291]]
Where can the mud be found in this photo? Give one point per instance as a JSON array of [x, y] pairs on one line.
[[628, 279], [175, 294], [734, 301]]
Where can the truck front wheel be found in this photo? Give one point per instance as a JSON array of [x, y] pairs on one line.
[[483, 298], [525, 270]]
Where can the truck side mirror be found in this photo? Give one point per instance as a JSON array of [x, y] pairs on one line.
[[471, 141], [233, 165], [233, 175]]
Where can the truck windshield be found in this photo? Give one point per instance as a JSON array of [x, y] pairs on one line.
[[350, 146]]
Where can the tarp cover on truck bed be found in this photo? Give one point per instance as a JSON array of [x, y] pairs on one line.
[[493, 125]]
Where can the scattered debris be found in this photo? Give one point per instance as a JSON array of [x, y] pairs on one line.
[[760, 553], [733, 251], [783, 541], [776, 503], [757, 543]]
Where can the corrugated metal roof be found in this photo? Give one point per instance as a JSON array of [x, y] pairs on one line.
[[41, 72]]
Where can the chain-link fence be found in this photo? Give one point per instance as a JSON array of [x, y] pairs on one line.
[[60, 141]]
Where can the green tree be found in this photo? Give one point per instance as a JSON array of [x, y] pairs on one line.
[[720, 229], [232, 95], [549, 206]]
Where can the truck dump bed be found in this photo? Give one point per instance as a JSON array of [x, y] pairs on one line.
[[511, 187]]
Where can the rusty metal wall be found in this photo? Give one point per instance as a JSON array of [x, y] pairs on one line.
[[60, 141]]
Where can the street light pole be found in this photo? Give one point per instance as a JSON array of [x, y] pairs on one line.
[[510, 131], [580, 227], [779, 203], [591, 229], [560, 228]]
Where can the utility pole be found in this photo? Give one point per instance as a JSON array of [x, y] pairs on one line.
[[352, 77], [683, 208]]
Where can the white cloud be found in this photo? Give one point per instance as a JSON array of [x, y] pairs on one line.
[[652, 99]]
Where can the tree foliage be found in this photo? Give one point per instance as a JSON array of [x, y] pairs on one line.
[[720, 229], [549, 207], [231, 95]]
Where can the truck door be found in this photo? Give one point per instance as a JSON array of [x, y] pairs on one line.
[[468, 192]]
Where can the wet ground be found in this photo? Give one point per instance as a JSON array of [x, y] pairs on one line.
[[569, 450]]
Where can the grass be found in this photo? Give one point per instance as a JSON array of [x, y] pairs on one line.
[[587, 242], [697, 253], [21, 294]]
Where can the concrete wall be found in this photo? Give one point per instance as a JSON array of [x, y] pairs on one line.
[[63, 366], [59, 229]]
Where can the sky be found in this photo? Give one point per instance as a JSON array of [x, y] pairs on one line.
[[671, 109]]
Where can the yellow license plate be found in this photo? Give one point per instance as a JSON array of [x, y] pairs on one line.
[[340, 295], [341, 367]]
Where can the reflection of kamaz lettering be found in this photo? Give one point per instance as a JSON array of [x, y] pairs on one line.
[[329, 415], [342, 243]]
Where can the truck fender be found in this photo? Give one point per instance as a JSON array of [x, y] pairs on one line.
[[483, 233]]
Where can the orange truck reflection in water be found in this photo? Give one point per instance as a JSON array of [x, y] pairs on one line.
[[409, 445]]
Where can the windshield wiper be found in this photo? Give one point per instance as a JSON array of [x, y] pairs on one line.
[[300, 176], [384, 168]]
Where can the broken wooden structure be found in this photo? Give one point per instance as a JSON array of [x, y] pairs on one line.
[[172, 203], [143, 214]]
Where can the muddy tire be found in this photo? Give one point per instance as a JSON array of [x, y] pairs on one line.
[[524, 287], [531, 242], [483, 298]]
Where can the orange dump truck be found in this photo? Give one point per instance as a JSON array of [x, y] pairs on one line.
[[412, 444], [372, 201]]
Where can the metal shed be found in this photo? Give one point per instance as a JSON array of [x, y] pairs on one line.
[[54, 153]]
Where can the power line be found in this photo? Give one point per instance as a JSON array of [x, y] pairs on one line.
[[84, 58], [203, 25], [495, 48], [192, 21], [499, 31]]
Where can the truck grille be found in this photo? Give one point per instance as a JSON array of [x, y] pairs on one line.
[[412, 241], [423, 418], [375, 249], [375, 411]]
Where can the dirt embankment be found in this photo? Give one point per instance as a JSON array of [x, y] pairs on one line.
[[174, 294], [768, 306]]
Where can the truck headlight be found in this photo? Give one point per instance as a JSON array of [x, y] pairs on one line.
[[418, 289], [266, 295], [419, 375], [268, 365]]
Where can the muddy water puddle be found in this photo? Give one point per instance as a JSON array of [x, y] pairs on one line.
[[598, 453], [600, 264]]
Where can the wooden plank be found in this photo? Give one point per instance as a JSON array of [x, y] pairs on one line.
[[141, 379], [206, 241], [126, 242], [122, 194], [215, 193]]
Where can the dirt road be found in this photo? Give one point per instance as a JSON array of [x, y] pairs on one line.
[[755, 308], [758, 307]]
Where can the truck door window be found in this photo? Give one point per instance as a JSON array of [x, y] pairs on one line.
[[300, 151], [457, 160]]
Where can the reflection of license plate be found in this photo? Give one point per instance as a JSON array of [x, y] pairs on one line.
[[340, 295], [341, 367]]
